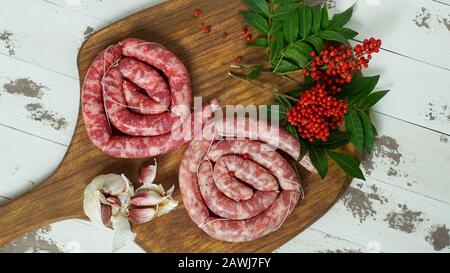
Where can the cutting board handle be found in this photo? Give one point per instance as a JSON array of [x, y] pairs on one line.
[[43, 205]]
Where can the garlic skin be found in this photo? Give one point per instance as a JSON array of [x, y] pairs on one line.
[[122, 232], [93, 197], [106, 200], [168, 204]]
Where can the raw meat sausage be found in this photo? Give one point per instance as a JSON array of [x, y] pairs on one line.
[[128, 94], [129, 122], [145, 77], [239, 189]]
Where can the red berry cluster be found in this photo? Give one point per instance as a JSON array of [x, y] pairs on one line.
[[336, 65], [368, 47], [316, 113]]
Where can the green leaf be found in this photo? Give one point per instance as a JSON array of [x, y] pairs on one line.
[[259, 42], [285, 67], [304, 147], [319, 160], [290, 27], [276, 26], [349, 87], [305, 20], [303, 48], [281, 12], [375, 132], [331, 35], [284, 1], [276, 47], [348, 164], [341, 19], [365, 87], [355, 128], [346, 32], [295, 55], [316, 42], [284, 103], [257, 21], [258, 6], [372, 99], [292, 130], [369, 136], [325, 23], [296, 91], [316, 18], [336, 140], [278, 111], [255, 72]]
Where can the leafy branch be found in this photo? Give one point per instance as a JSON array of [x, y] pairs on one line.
[[290, 30]]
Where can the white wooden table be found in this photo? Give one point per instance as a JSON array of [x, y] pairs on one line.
[[403, 206]]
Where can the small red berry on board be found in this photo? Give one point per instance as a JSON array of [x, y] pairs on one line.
[[238, 59], [207, 29], [197, 13]]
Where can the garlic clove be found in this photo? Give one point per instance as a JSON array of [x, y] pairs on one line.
[[114, 201], [166, 206], [146, 198], [152, 187], [116, 186], [147, 173], [141, 215], [106, 214]]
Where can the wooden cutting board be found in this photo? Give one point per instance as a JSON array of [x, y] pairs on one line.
[[207, 57]]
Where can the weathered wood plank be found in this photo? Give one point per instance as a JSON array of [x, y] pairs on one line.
[[82, 238], [3, 200], [419, 92], [418, 29], [410, 157], [38, 101], [312, 240], [25, 161], [390, 218], [108, 11], [49, 38]]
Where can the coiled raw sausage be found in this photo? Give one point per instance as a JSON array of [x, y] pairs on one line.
[[123, 90], [239, 189]]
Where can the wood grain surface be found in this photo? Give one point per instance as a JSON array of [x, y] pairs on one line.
[[207, 57]]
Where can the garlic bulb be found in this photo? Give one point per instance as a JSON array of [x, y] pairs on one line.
[[106, 200], [111, 200]]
